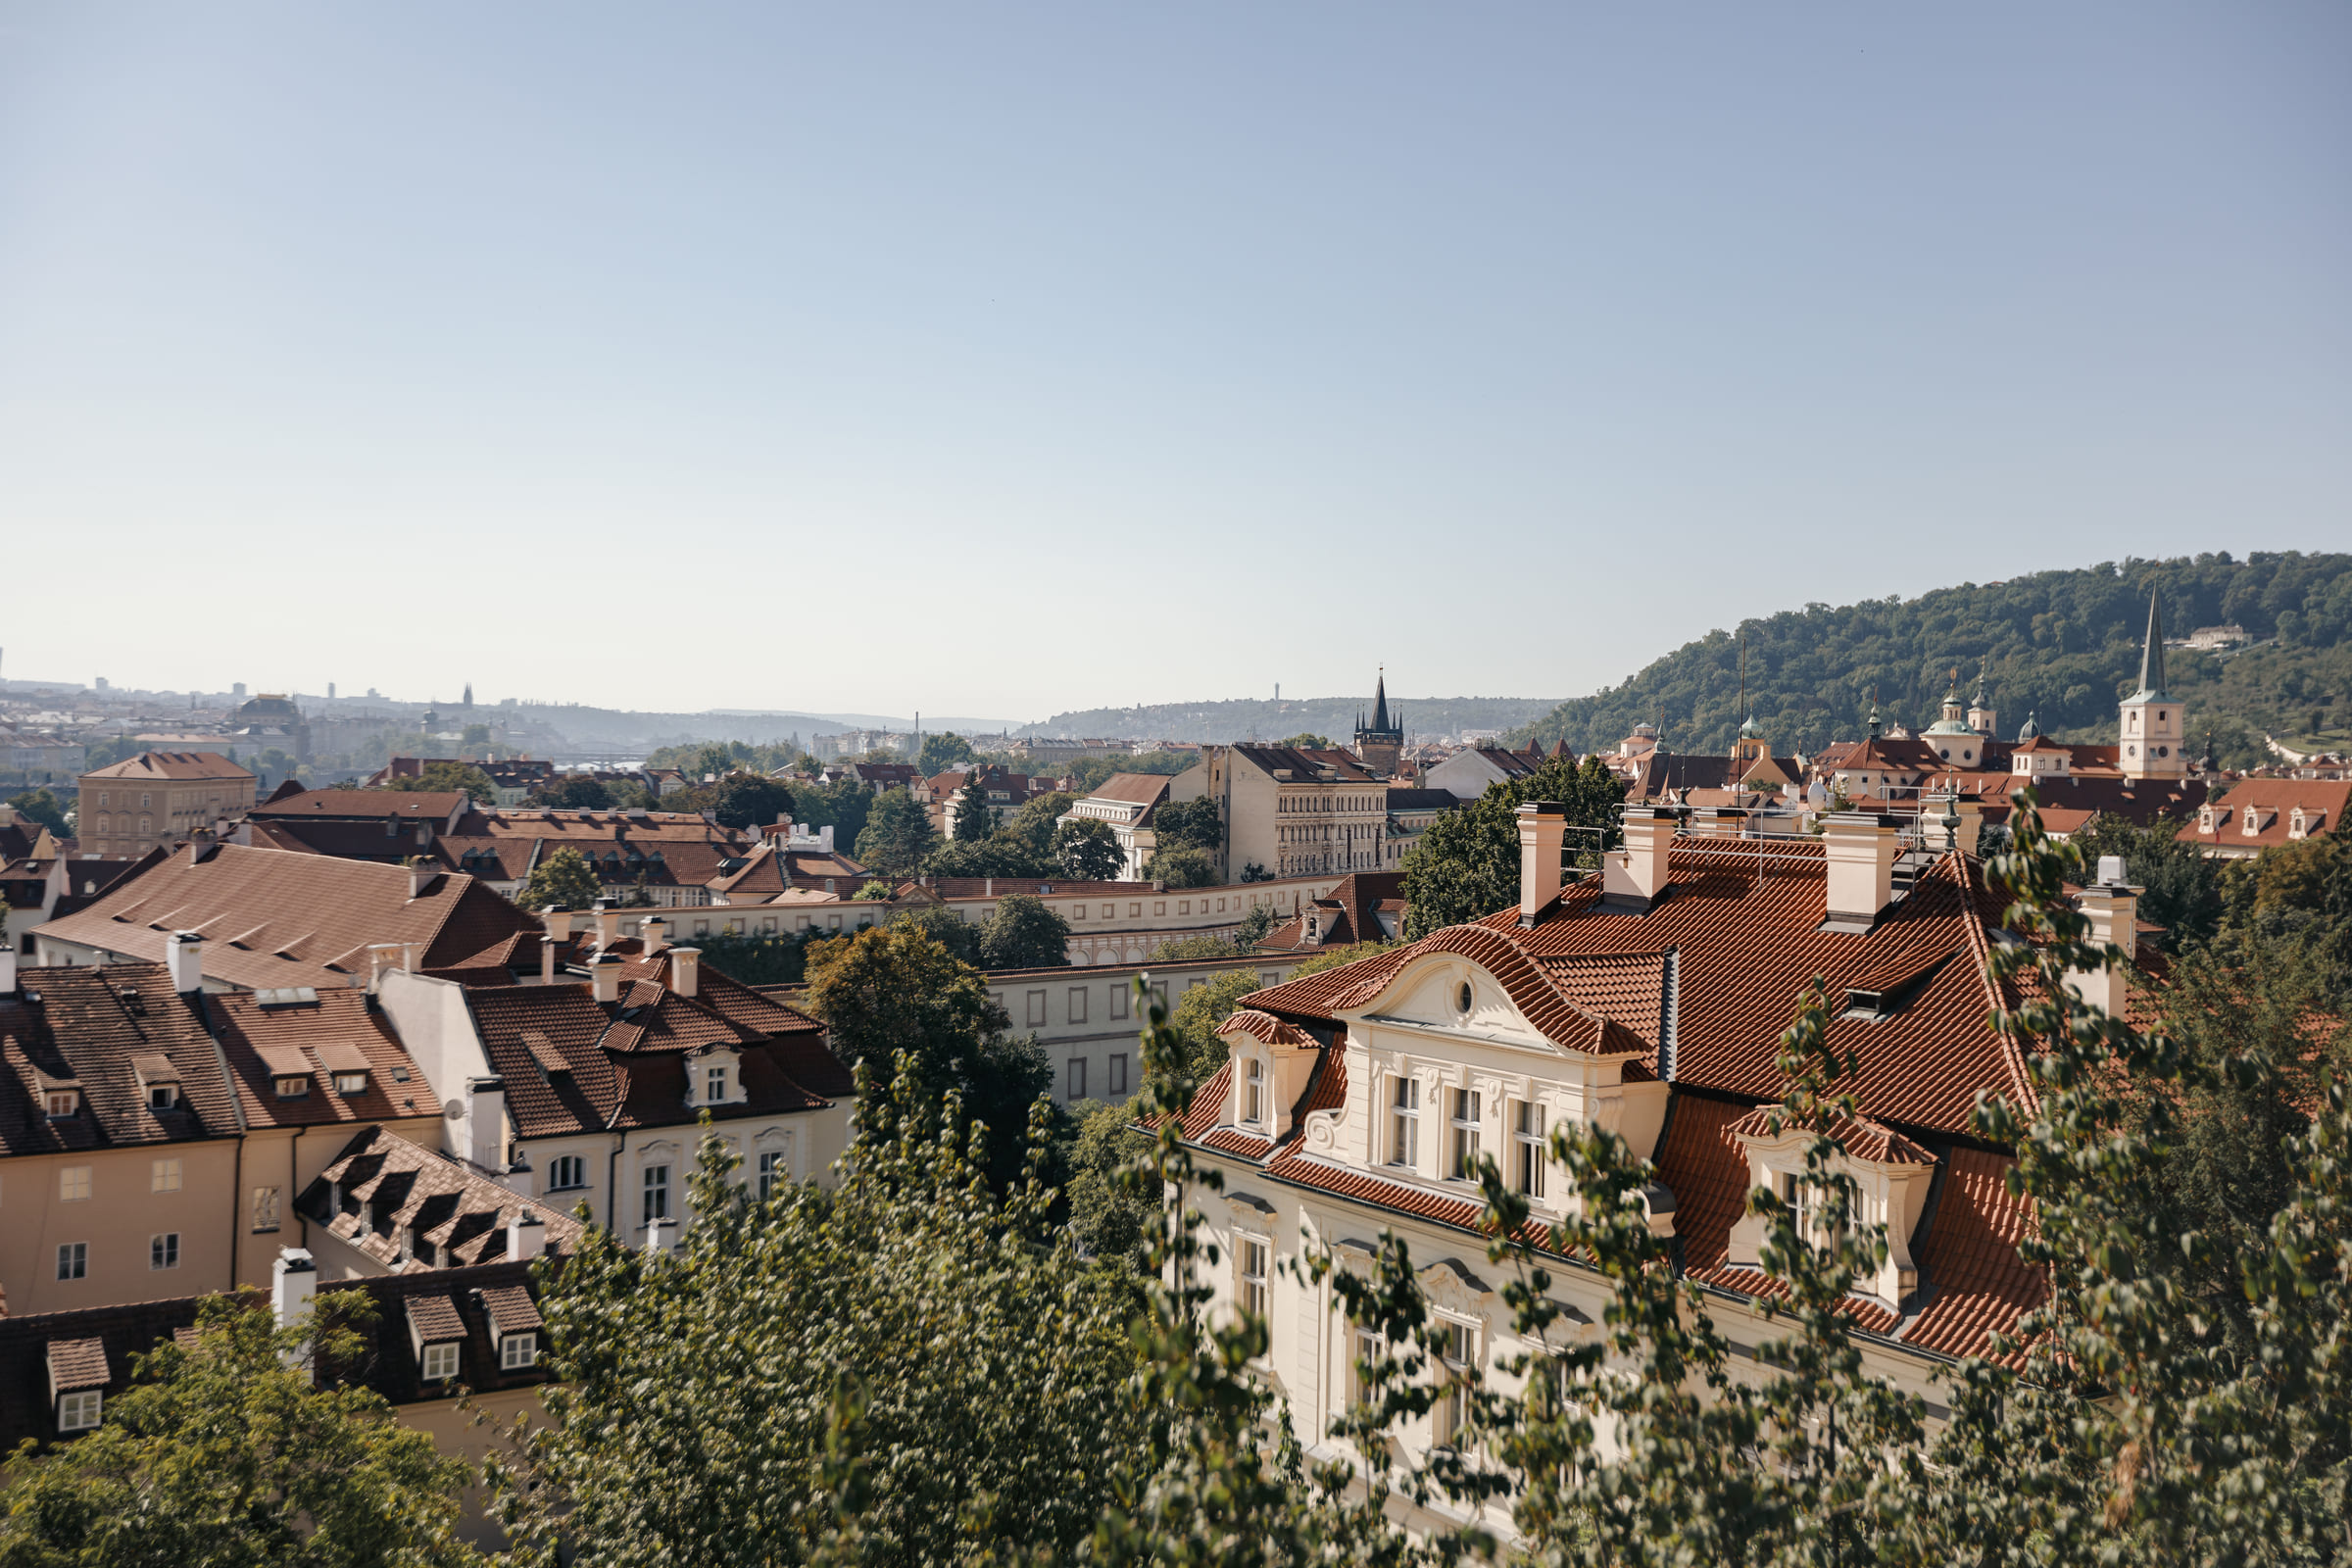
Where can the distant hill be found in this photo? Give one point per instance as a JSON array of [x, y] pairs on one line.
[[2061, 645], [1241, 718]]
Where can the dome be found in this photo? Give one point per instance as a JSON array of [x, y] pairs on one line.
[[2031, 731]]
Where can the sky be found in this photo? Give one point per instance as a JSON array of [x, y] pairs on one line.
[[1015, 359]]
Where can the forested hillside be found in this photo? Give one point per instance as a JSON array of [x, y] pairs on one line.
[[2062, 645]]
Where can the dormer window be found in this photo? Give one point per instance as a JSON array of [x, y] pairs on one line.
[[714, 1085], [61, 1103], [1404, 1124], [439, 1362], [163, 1096], [1803, 1204], [1253, 1092], [291, 1087], [351, 1083], [1526, 1137], [519, 1353]]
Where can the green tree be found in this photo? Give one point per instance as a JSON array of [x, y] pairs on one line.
[[1200, 945], [564, 880], [463, 777], [1107, 1215], [1087, 852], [1181, 868], [878, 891], [1189, 826], [1307, 740], [1199, 1014], [896, 837], [475, 735], [755, 959], [1254, 926], [905, 1370], [2183, 887], [1466, 863], [743, 801], [1039, 819], [999, 853], [224, 1450], [974, 819], [1024, 934], [574, 791], [943, 926], [42, 806], [942, 751]]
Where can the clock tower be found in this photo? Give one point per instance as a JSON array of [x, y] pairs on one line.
[[2152, 726]]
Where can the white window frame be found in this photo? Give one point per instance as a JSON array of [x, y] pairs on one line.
[[165, 1175], [81, 1410], [517, 1352], [1252, 1290], [1456, 1362], [74, 1184], [163, 1250], [1528, 1144], [654, 1186], [574, 1165], [72, 1261], [1405, 1121], [714, 1084], [1465, 1128], [1253, 1092], [438, 1362], [775, 1170]]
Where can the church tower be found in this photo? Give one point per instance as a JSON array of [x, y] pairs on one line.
[[1381, 742], [2151, 720]]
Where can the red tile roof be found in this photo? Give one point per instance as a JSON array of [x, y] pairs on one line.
[[1969, 1258], [77, 1364], [414, 1191], [1267, 1027], [1858, 1136], [371, 805], [274, 920], [263, 1041], [90, 1026], [2271, 801], [178, 765]]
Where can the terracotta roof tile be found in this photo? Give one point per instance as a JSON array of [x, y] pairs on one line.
[[1969, 1258], [90, 1026], [77, 1364], [264, 1041], [434, 1317]]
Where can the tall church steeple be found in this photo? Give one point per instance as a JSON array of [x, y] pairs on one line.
[[2151, 723], [1381, 742]]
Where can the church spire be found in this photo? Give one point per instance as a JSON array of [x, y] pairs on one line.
[[2151, 655], [1380, 700]]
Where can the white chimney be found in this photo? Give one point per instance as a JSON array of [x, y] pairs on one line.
[[608, 923], [2112, 910], [527, 1237], [653, 931], [555, 931], [1862, 848], [1543, 830], [1634, 876], [685, 970], [422, 877], [824, 837], [520, 1178], [183, 957], [486, 1123], [603, 976], [293, 1283]]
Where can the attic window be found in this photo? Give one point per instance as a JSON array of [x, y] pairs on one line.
[[291, 1087], [61, 1103], [162, 1097], [351, 1083], [440, 1363]]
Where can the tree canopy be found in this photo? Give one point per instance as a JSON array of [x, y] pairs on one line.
[[1189, 826], [2061, 645], [942, 751], [224, 1450], [896, 837], [564, 880], [1467, 862], [1087, 852], [437, 776], [1024, 934], [41, 806], [1183, 868]]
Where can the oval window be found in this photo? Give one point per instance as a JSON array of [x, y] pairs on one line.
[[1461, 998]]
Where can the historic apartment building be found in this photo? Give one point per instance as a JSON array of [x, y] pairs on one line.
[[1289, 811], [1648, 999], [159, 797]]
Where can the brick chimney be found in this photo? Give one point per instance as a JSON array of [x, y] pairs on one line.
[[1543, 831], [2112, 905], [603, 976], [1862, 848], [1633, 877], [685, 970], [183, 958]]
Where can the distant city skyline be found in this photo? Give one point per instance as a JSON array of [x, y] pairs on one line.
[[1049, 358]]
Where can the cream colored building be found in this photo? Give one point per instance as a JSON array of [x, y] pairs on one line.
[[159, 797], [1291, 812]]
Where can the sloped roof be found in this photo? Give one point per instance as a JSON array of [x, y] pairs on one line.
[[274, 919], [1133, 789], [318, 1032], [409, 1188], [371, 805], [170, 767], [89, 1026]]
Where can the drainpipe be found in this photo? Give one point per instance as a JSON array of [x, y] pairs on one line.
[[613, 1175]]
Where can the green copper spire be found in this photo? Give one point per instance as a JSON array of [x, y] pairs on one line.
[[2151, 657]]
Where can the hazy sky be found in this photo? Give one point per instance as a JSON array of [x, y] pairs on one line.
[[1005, 359]]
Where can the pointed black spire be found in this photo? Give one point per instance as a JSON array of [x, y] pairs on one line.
[[1380, 700], [2151, 655]]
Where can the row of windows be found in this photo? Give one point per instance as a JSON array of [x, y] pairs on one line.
[[74, 1185], [1115, 1070], [773, 1174], [73, 1257], [1465, 1127]]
